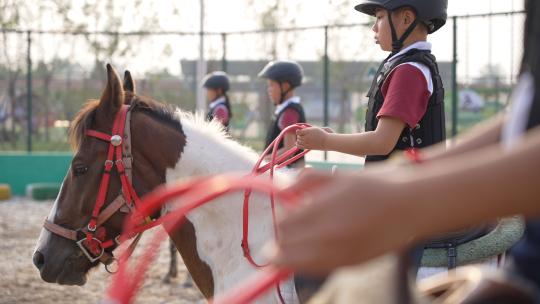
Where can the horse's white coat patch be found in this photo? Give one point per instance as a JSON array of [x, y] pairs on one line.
[[218, 225], [45, 235]]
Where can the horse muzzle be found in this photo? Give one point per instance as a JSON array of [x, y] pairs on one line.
[[60, 273]]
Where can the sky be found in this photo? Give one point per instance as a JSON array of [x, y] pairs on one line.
[[481, 41]]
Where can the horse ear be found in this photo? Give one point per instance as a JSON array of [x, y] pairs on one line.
[[129, 84], [112, 97]]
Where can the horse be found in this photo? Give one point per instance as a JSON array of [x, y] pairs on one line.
[[164, 145]]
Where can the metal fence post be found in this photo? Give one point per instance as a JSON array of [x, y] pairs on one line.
[[224, 57], [201, 63], [454, 80], [326, 83], [29, 92]]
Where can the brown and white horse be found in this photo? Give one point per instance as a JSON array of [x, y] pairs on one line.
[[166, 145]]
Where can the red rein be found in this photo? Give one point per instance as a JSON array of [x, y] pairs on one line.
[[196, 193]]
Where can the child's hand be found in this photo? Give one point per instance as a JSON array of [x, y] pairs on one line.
[[311, 138]]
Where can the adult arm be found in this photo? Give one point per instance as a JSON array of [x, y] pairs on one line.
[[482, 135], [353, 218]]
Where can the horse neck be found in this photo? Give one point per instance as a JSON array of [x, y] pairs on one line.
[[217, 225]]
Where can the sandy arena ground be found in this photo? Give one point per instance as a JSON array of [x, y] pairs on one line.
[[20, 224]]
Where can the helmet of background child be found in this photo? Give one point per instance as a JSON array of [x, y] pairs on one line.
[[283, 71], [430, 12], [217, 80]]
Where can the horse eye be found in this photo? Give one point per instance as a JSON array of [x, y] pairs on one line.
[[80, 170]]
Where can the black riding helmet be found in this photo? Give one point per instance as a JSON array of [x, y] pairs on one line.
[[283, 71], [217, 80], [430, 12]]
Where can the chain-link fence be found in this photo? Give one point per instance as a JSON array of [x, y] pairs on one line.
[[46, 76]]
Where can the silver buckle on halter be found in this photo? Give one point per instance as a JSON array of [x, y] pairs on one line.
[[87, 253]]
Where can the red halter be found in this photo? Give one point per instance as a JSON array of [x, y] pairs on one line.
[[94, 242]]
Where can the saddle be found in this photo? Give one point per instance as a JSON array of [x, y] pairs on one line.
[[474, 245], [452, 240]]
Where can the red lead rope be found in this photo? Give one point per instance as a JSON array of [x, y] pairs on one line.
[[196, 193], [275, 162]]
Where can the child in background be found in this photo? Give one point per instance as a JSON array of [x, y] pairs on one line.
[[283, 77], [217, 85]]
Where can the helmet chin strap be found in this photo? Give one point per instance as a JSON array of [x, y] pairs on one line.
[[283, 93], [397, 43]]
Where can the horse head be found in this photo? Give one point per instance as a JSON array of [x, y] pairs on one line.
[[123, 145]]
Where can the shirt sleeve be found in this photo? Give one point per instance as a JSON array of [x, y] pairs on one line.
[[289, 117], [221, 113], [406, 95]]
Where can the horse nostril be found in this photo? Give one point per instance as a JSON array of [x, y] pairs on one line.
[[38, 259]]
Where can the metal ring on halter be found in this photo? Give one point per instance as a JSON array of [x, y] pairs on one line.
[[116, 140], [116, 263], [91, 229]]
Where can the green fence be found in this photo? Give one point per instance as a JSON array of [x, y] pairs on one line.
[[21, 169]]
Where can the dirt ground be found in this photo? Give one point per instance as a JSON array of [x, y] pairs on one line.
[[20, 224]]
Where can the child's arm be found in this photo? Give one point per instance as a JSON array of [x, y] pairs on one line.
[[378, 142]]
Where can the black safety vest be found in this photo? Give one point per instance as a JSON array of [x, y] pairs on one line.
[[274, 130], [211, 114], [432, 128]]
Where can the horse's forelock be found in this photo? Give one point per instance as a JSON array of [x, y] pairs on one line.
[[81, 123]]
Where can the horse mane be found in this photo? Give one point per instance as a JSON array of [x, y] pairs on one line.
[[213, 134], [84, 118]]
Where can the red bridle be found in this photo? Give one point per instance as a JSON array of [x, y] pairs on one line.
[[94, 242]]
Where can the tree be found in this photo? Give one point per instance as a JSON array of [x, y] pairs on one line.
[[273, 16], [341, 81], [112, 17], [13, 15], [491, 76]]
